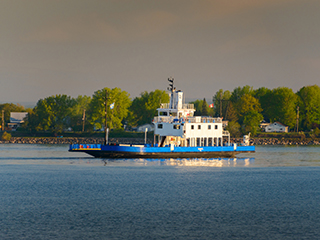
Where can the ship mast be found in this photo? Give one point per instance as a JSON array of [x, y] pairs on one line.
[[172, 89], [106, 130]]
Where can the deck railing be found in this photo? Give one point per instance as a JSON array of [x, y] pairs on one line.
[[85, 147], [170, 119], [183, 106]]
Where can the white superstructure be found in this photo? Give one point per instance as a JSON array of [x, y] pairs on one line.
[[177, 125]]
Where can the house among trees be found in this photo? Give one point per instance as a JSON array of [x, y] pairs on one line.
[[277, 127], [16, 118]]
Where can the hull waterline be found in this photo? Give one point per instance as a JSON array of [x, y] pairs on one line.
[[110, 151]]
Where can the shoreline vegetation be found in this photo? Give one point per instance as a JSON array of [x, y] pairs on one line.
[[99, 140], [129, 137], [244, 108]]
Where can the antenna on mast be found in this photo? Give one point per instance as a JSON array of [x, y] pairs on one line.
[[171, 88]]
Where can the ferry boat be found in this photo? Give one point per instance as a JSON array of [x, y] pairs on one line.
[[177, 134]]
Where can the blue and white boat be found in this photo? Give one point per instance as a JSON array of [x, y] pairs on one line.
[[177, 134]]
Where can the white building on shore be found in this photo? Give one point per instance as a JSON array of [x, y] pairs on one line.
[[16, 118], [276, 127]]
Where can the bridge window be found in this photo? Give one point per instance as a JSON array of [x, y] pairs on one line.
[[176, 126], [192, 127], [209, 126], [215, 126], [199, 126], [160, 126]]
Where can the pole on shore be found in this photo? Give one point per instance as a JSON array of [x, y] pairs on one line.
[[221, 104], [83, 119], [297, 120], [2, 126], [105, 127], [145, 136], [107, 137]]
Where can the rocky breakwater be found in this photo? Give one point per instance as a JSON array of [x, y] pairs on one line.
[[73, 140], [279, 141]]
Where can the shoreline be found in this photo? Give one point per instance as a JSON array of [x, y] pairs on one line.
[[280, 141], [74, 140]]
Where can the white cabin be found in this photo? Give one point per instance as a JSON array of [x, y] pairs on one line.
[[177, 125], [277, 127]]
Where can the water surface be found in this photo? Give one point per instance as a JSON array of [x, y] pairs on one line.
[[49, 193]]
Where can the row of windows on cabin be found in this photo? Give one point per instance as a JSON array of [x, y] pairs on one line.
[[203, 142], [209, 127], [177, 126]]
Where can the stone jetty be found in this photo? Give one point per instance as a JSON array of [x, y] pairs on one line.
[[279, 141], [74, 140], [71, 140]]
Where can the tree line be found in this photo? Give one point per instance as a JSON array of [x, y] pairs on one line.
[[244, 108], [61, 112]]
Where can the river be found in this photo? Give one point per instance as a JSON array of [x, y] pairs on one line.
[[48, 193]]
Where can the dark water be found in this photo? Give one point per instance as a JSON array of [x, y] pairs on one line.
[[48, 193]]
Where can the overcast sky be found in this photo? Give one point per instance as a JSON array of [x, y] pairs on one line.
[[77, 47]]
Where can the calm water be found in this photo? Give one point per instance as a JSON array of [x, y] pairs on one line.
[[48, 193]]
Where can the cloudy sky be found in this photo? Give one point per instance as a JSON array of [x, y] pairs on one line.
[[76, 47]]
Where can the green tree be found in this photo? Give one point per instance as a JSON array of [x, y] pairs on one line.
[[52, 113], [144, 108], [202, 108], [42, 117], [62, 107], [282, 106], [239, 92], [247, 104], [251, 122], [197, 106], [234, 129], [260, 92], [264, 95], [231, 114], [249, 113], [28, 124], [221, 101], [236, 97], [309, 103], [96, 111], [81, 105], [6, 136]]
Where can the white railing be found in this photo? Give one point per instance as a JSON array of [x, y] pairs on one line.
[[163, 119], [184, 106], [204, 120], [170, 119]]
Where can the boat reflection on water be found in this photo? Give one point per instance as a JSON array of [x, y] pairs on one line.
[[191, 162]]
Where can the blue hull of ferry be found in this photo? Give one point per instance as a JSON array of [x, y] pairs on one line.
[[118, 151]]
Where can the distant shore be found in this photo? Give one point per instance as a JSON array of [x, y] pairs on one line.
[[280, 141], [90, 140]]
